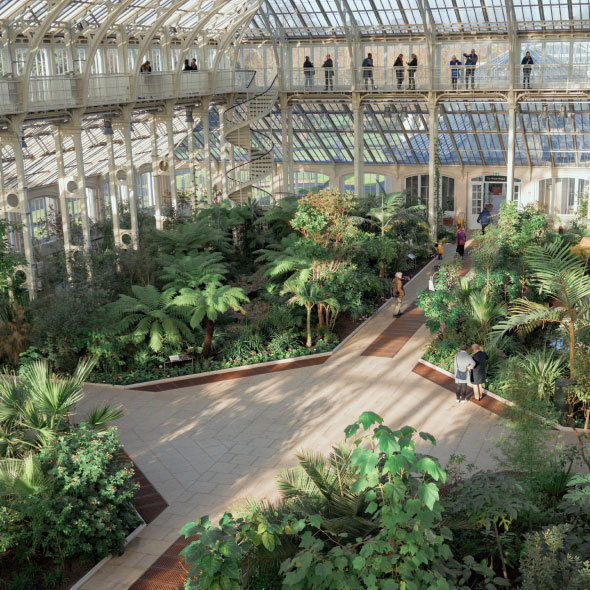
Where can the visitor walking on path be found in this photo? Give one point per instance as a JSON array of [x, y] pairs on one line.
[[308, 72], [470, 63], [485, 217], [367, 66], [461, 239], [398, 292], [478, 372], [329, 73], [463, 362], [455, 71], [398, 68], [412, 67], [526, 63]]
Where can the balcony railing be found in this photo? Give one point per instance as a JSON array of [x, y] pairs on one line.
[[44, 93]]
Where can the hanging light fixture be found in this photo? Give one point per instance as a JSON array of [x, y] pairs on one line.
[[107, 128], [188, 118], [173, 30], [562, 112]]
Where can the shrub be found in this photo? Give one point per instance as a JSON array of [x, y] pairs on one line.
[[85, 510]]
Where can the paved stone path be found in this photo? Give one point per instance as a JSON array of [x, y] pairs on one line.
[[204, 447]]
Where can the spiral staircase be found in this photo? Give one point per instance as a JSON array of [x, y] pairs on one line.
[[258, 145]]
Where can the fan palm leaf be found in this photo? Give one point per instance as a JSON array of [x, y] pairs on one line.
[[22, 477]]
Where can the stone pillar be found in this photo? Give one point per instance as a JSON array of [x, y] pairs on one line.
[[290, 162], [63, 201], [432, 147], [285, 109], [113, 190], [190, 125], [359, 143], [169, 119]]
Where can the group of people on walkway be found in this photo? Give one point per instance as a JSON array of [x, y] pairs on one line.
[[470, 370]]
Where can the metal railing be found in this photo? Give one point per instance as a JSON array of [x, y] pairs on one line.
[[8, 96], [479, 77], [319, 79], [53, 91], [103, 88], [400, 78]]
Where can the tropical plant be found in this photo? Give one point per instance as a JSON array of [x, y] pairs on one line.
[[484, 310], [192, 271], [208, 304], [9, 260], [35, 406], [560, 276], [73, 499], [403, 545], [152, 314], [539, 370], [308, 295], [193, 236]]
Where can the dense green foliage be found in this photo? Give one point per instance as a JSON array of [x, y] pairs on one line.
[[210, 284], [526, 299], [377, 513], [64, 492]]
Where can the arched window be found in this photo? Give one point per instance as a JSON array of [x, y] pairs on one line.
[[375, 184], [562, 196], [43, 214], [309, 182], [417, 190]]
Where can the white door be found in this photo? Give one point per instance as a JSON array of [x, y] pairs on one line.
[[476, 204]]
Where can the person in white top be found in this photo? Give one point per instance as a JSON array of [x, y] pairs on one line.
[[463, 364]]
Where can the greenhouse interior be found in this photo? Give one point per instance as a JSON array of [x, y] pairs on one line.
[[294, 294]]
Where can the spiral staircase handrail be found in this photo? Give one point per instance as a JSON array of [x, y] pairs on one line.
[[229, 115]]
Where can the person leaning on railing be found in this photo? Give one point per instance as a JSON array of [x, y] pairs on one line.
[[412, 67], [526, 63], [398, 67], [455, 72], [194, 66], [146, 67], [329, 72]]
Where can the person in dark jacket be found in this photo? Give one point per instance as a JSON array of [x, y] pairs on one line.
[[308, 72], [194, 66], [146, 68], [470, 63], [485, 217], [367, 66], [329, 73], [478, 371], [455, 72], [398, 68], [186, 67], [526, 63], [412, 66]]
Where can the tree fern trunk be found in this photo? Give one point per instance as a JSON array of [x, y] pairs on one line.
[[208, 338]]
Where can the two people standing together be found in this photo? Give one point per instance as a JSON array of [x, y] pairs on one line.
[[470, 370], [309, 72]]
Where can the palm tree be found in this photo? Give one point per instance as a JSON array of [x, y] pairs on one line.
[[558, 275], [208, 303], [308, 295], [151, 313], [192, 271], [484, 311], [36, 405]]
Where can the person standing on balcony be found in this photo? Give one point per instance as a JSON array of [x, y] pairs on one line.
[[194, 66], [470, 64], [186, 67], [412, 67], [367, 66], [398, 68], [308, 72], [526, 63], [328, 66], [146, 67], [455, 71]]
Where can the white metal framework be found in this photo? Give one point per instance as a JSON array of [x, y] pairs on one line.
[[82, 112]]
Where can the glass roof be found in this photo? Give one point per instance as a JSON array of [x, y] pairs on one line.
[[470, 134], [302, 18]]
